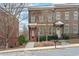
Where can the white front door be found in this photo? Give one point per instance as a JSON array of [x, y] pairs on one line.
[[58, 32]]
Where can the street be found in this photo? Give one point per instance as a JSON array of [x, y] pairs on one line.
[[51, 52]]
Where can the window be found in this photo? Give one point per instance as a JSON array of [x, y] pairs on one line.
[[75, 28], [66, 28], [50, 30], [41, 31], [32, 19], [41, 19], [75, 15], [50, 18], [58, 15], [66, 15]]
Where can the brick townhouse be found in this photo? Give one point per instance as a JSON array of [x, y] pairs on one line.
[[8, 29], [44, 20]]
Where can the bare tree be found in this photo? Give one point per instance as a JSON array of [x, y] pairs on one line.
[[9, 21], [13, 8], [8, 25]]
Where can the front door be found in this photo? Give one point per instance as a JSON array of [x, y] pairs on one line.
[[33, 34], [59, 32]]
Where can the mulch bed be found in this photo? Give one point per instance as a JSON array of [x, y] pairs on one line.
[[74, 41], [45, 43]]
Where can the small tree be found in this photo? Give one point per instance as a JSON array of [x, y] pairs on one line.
[[22, 40]]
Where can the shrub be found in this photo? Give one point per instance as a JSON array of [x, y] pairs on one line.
[[55, 37], [65, 36], [51, 37], [42, 38], [22, 39]]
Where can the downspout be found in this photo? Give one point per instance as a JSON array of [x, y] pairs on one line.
[[78, 21]]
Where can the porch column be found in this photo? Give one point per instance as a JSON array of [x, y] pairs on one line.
[[46, 30]]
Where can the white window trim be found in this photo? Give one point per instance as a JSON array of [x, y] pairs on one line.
[[67, 15], [41, 29], [50, 18], [66, 28], [41, 18], [75, 26], [58, 15], [32, 19], [75, 14]]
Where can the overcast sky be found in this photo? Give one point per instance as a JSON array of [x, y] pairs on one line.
[[39, 1]]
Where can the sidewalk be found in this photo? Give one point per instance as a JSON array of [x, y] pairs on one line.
[[41, 48], [63, 42]]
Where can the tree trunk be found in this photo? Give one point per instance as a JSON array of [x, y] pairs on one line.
[[6, 43]]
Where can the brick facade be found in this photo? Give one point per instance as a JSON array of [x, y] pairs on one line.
[[67, 14]]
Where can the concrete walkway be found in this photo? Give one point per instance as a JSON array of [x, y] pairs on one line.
[[64, 42], [30, 45]]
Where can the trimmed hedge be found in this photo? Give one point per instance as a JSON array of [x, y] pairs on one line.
[[64, 36], [55, 37], [42, 38], [52, 37]]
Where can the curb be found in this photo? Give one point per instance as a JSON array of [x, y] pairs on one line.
[[41, 48]]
